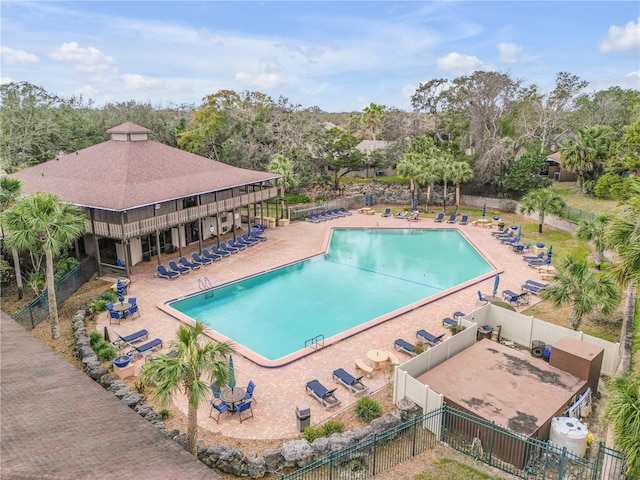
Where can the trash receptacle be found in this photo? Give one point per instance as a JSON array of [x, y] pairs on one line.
[[500, 225], [303, 416]]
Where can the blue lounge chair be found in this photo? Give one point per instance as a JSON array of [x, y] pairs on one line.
[[133, 301], [236, 245], [458, 315], [228, 248], [429, 337], [213, 256], [318, 217], [186, 263], [243, 408], [536, 284], [219, 251], [328, 215], [402, 215], [310, 218], [142, 350], [218, 407], [386, 213], [449, 322], [346, 212], [540, 263], [452, 218], [439, 218], [515, 298], [404, 346], [353, 384], [134, 337], [252, 241], [257, 236], [162, 272], [242, 241], [178, 268], [339, 213], [202, 261], [528, 287], [507, 235], [248, 396], [500, 232], [529, 258], [482, 298], [464, 220], [326, 397]]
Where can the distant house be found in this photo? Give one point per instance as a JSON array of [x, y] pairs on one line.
[[367, 147], [142, 198], [555, 171]]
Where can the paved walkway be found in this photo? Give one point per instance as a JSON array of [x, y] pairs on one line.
[[280, 390], [58, 423]]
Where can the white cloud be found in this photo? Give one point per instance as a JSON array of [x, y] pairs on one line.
[[4, 80], [84, 59], [459, 64], [509, 52], [135, 82], [633, 74], [622, 38], [13, 57], [408, 91], [260, 80]]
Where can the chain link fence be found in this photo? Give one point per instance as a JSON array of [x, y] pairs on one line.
[[37, 309]]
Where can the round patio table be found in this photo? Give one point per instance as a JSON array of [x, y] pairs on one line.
[[121, 307], [232, 396], [377, 357]]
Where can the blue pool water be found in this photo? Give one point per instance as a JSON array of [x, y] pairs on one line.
[[365, 274]]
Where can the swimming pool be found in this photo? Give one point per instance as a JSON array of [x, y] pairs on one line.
[[365, 274]]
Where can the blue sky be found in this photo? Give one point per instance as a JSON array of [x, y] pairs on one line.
[[339, 56]]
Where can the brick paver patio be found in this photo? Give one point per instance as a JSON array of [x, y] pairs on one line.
[[58, 423], [280, 390]]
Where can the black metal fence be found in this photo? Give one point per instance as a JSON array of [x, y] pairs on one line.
[[37, 309], [574, 215], [517, 454]]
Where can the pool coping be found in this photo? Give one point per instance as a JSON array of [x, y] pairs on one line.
[[299, 354]]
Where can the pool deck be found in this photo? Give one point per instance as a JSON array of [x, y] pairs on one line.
[[280, 390]]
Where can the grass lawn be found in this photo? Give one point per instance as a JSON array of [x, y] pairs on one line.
[[447, 469], [573, 197]]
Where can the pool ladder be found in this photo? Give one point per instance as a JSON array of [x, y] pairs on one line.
[[205, 284], [316, 342]]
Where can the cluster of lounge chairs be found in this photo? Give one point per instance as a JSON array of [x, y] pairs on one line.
[[325, 215], [423, 336], [217, 253], [464, 219], [143, 350], [326, 397]]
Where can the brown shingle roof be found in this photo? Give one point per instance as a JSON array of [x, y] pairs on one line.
[[122, 175]]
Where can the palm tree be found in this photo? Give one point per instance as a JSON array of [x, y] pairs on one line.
[[576, 285], [587, 154], [182, 373], [285, 167], [544, 201], [373, 118], [42, 221], [444, 165], [623, 414], [10, 190], [595, 230], [428, 175], [460, 172]]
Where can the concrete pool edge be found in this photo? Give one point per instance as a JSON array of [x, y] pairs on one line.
[[299, 354]]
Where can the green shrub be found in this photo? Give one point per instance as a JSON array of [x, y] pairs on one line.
[[332, 426], [110, 296], [95, 337], [368, 409], [104, 351], [508, 206], [293, 198], [164, 414], [503, 305], [311, 433]]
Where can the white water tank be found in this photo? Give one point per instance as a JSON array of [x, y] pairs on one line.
[[569, 432]]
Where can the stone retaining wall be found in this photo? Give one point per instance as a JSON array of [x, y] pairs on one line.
[[292, 454]]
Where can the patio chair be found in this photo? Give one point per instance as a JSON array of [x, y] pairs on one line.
[[402, 345], [144, 350], [134, 306], [186, 263], [482, 298], [510, 297], [449, 322], [429, 338], [452, 218], [386, 213], [212, 256], [346, 212], [202, 261], [310, 218], [255, 234], [115, 317], [339, 213], [318, 217], [162, 272], [236, 245], [219, 251], [353, 384], [138, 336], [109, 305], [500, 232], [215, 389], [249, 393], [537, 284], [530, 288], [244, 408], [439, 218], [218, 407], [178, 268], [540, 263], [318, 391], [530, 258], [402, 215], [464, 220], [249, 242], [458, 315]]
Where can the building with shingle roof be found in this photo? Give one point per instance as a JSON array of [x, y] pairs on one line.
[[142, 197]]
